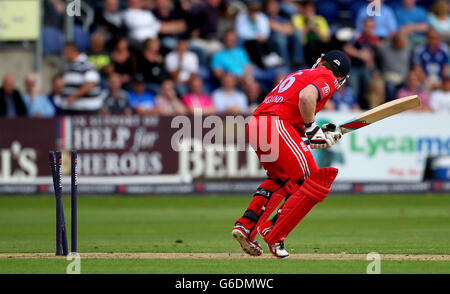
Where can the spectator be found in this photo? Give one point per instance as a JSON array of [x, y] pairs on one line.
[[314, 30], [97, 55], [116, 99], [232, 59], [204, 23], [376, 92], [252, 90], [165, 12], [288, 8], [38, 105], [56, 92], [197, 100], [394, 61], [283, 35], [109, 20], [439, 19], [252, 27], [412, 87], [344, 99], [122, 60], [82, 93], [182, 65], [151, 65], [140, 100], [412, 20], [432, 58], [361, 51], [167, 100], [141, 24], [385, 21], [440, 98], [227, 99], [11, 101]]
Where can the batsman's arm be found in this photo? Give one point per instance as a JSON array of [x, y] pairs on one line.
[[307, 100]]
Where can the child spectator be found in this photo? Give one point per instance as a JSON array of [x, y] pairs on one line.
[[227, 99], [116, 99], [56, 92], [196, 99], [167, 100]]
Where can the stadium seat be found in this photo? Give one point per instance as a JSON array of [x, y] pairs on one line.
[[81, 37], [52, 40], [328, 9]]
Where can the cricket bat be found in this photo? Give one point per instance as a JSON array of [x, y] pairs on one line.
[[378, 113]]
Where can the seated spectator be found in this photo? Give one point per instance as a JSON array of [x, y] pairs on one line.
[[255, 96], [385, 21], [116, 99], [182, 65], [412, 20], [82, 93], [197, 100], [122, 60], [227, 99], [56, 92], [150, 64], [140, 100], [431, 59], [314, 30], [109, 20], [252, 27], [204, 23], [288, 8], [38, 104], [413, 87], [97, 54], [11, 101], [439, 19], [166, 12], [440, 98], [287, 42], [232, 59], [394, 60], [361, 51], [344, 99], [167, 100]]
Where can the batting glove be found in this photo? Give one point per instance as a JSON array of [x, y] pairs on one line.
[[331, 133], [316, 137]]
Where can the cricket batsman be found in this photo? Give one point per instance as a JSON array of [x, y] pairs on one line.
[[275, 132]]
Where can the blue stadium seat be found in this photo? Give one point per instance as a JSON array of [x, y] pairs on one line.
[[81, 37], [328, 9], [52, 40]]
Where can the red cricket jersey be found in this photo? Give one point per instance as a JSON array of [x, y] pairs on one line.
[[282, 101]]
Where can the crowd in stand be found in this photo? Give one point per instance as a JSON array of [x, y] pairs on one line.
[[171, 57]]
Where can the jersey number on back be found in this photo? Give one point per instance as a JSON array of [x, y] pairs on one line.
[[286, 83]]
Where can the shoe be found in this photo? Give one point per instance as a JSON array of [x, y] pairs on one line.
[[240, 233], [277, 249], [272, 60]]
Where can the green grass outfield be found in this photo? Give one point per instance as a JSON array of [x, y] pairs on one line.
[[359, 224]]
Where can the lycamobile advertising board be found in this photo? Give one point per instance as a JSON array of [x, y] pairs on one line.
[[394, 149]]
